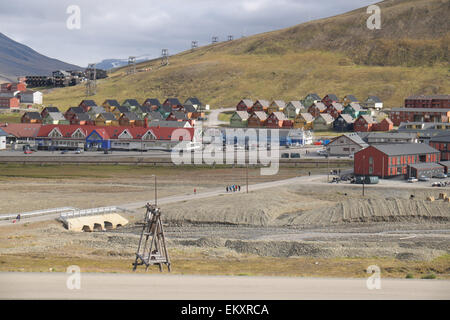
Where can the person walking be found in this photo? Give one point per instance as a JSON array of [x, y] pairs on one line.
[[195, 191], [227, 188], [309, 173], [239, 187], [18, 217]]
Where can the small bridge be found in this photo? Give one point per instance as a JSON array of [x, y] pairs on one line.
[[95, 219]]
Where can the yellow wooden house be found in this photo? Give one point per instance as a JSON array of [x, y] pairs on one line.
[[304, 121], [106, 119]]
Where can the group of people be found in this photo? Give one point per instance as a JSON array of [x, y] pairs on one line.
[[233, 188]]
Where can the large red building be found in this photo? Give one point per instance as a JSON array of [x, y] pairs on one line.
[[9, 102], [442, 143], [399, 115], [388, 160], [440, 101]]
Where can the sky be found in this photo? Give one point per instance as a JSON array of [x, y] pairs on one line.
[[119, 28]]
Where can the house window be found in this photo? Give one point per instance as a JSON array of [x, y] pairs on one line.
[[370, 160]]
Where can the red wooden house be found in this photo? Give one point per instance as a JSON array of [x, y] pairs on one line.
[[317, 108], [9, 102], [260, 105], [257, 119], [329, 99], [244, 105], [385, 125], [364, 123], [335, 109], [87, 105], [275, 120]]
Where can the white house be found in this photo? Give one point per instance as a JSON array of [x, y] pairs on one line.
[[29, 96], [3, 135]]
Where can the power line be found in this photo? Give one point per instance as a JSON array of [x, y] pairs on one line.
[[165, 57], [194, 44], [131, 65], [91, 84]]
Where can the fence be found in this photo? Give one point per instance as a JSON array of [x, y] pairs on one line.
[[88, 212], [37, 213]]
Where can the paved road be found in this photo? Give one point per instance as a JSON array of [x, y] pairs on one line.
[[213, 117], [145, 286]]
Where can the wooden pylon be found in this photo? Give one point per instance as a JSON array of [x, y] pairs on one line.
[[152, 248]]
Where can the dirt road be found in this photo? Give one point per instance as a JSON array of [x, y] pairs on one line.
[[142, 286]]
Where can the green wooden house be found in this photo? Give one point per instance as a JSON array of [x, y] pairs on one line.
[[239, 119]]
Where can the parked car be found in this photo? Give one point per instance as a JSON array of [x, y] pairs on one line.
[[285, 155], [412, 179], [295, 155], [424, 178], [440, 175], [436, 184]]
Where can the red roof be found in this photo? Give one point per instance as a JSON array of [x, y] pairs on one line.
[[113, 132], [21, 130]]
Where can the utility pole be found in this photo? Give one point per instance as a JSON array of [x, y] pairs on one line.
[[215, 39], [91, 84], [165, 57], [246, 176], [230, 38], [156, 193], [194, 45], [131, 65]]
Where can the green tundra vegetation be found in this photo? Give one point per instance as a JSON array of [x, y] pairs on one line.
[[408, 55]]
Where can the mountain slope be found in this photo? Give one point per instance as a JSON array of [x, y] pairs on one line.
[[408, 55], [17, 59]]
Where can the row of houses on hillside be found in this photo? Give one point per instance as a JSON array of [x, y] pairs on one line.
[[293, 108], [129, 113], [15, 93], [71, 137], [306, 121]]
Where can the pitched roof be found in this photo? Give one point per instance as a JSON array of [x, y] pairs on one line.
[[22, 130], [152, 102], [155, 115], [189, 108], [112, 102], [373, 99], [132, 102], [347, 118], [405, 148], [351, 97], [89, 103], [325, 116], [51, 109], [130, 116], [430, 110], [247, 102], [108, 116], [279, 115], [332, 97], [356, 139], [169, 124], [173, 101], [263, 103], [307, 116], [279, 103], [76, 109], [83, 116], [192, 101], [3, 133], [315, 96], [56, 116], [391, 135], [320, 105], [430, 97], [33, 115], [179, 115], [296, 104], [426, 165], [244, 115], [356, 106], [96, 109], [337, 106], [123, 109], [261, 115], [367, 118]]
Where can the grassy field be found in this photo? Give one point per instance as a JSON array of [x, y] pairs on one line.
[[197, 264], [9, 117], [225, 116]]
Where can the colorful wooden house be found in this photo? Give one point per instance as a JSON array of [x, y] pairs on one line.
[[55, 118], [31, 117], [87, 104], [72, 111], [329, 99], [95, 111], [195, 102], [343, 123], [275, 120], [353, 110], [335, 109], [310, 99], [364, 123], [47, 110], [154, 116], [130, 119], [174, 104], [293, 108], [82, 119], [384, 125], [244, 105], [276, 105], [323, 122], [260, 105], [132, 104], [257, 119], [119, 111], [153, 103], [317, 108], [239, 119], [348, 99], [106, 119], [110, 104], [303, 120]]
